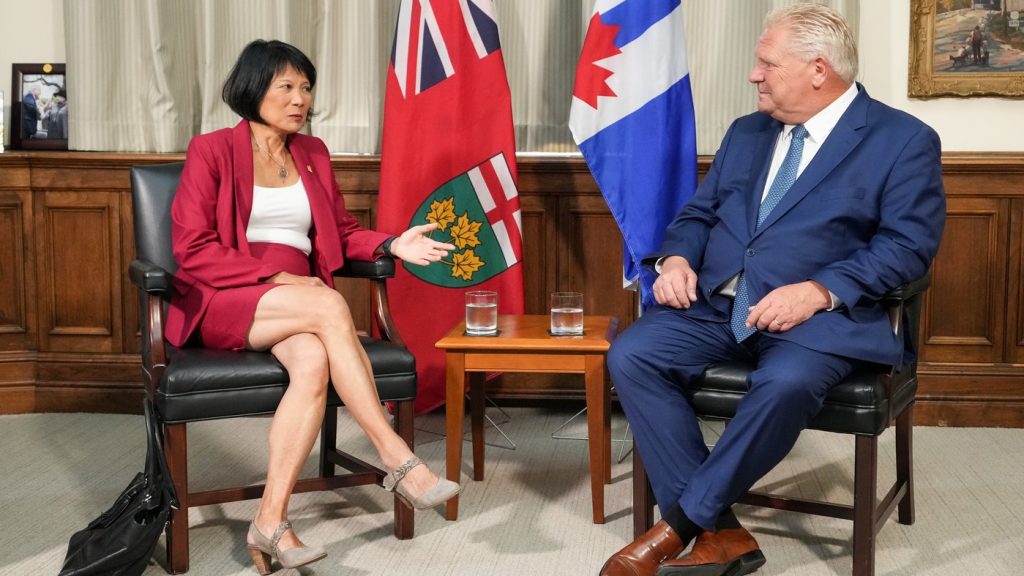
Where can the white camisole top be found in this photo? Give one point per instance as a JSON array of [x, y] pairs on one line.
[[281, 216]]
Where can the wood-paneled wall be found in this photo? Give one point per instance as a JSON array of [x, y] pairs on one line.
[[69, 334], [972, 369]]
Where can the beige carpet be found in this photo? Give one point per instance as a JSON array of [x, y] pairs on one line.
[[531, 516]]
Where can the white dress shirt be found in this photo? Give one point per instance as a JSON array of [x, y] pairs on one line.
[[818, 128]]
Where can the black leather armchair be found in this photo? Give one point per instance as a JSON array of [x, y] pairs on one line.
[[863, 404], [191, 384]]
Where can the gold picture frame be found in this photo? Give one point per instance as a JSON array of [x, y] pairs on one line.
[[947, 60]]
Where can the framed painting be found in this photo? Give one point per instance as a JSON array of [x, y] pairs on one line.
[[39, 107], [966, 48]]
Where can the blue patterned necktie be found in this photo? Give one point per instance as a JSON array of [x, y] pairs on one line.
[[783, 180]]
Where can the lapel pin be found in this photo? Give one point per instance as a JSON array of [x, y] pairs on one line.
[[309, 168]]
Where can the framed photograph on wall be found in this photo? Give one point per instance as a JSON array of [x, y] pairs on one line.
[[39, 107], [966, 48]]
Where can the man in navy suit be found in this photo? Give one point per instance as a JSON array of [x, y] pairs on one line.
[[813, 208], [30, 112]]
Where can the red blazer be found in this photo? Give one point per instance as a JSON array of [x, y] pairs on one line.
[[211, 213]]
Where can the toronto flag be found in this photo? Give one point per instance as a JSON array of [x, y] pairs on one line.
[[632, 117]]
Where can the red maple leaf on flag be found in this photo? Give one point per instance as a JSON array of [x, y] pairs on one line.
[[592, 79]]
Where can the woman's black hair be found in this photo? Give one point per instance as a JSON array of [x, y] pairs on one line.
[[256, 67]]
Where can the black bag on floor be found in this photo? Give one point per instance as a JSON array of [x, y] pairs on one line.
[[121, 541]]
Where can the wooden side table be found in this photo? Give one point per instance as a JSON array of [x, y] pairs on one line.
[[524, 345]]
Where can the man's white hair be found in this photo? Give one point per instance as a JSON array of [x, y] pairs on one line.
[[817, 30]]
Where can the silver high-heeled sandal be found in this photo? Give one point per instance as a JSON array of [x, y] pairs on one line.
[[439, 494], [263, 550]]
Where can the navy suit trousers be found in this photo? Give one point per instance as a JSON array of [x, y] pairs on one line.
[[652, 363]]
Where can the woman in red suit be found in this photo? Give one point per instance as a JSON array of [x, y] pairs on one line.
[[258, 226]]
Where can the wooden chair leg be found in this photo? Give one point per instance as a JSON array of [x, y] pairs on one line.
[[176, 453], [328, 441], [865, 487], [905, 463], [404, 514], [476, 418], [643, 498]]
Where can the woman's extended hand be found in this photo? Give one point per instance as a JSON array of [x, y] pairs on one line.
[[415, 247], [287, 278]]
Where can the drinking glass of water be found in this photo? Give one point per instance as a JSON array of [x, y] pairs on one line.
[[481, 313], [566, 314]]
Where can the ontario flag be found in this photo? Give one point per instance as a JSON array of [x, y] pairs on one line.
[[449, 157], [632, 118]]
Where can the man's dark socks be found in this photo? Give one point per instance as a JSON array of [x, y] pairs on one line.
[[680, 524], [727, 520]]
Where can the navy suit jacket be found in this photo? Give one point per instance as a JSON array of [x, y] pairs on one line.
[[29, 114], [865, 216]]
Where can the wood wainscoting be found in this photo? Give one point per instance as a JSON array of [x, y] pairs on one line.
[[69, 337]]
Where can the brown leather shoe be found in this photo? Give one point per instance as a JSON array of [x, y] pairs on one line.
[[729, 552], [642, 557]]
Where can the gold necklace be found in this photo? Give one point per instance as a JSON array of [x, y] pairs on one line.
[[282, 171]]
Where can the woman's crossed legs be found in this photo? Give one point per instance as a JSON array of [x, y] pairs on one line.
[[309, 329]]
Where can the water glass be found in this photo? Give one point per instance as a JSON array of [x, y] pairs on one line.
[[481, 313], [566, 314]]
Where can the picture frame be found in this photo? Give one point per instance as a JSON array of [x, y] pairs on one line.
[[966, 48], [39, 107]]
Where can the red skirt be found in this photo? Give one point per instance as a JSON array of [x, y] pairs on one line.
[[228, 317]]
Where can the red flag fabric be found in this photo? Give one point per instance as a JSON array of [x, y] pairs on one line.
[[449, 157]]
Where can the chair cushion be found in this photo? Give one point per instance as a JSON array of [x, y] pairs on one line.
[[857, 405], [205, 384]]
